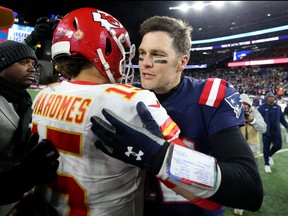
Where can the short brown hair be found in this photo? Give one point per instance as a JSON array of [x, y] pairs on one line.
[[178, 30]]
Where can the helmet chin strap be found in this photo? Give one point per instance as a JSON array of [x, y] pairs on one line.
[[106, 66]]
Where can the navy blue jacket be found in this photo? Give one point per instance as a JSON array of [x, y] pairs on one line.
[[264, 110]]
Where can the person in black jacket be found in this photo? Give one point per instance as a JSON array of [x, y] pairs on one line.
[[24, 161]]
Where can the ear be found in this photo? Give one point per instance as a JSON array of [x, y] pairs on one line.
[[183, 61]]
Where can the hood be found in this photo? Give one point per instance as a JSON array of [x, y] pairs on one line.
[[245, 98], [269, 94]]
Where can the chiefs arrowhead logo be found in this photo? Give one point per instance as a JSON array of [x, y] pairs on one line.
[[107, 21]]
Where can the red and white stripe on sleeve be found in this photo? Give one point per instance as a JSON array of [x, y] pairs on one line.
[[213, 92]]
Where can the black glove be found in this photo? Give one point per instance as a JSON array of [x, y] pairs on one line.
[[40, 163], [43, 30], [33, 204], [38, 166], [144, 147]]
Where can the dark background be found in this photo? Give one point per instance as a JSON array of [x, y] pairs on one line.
[[246, 16]]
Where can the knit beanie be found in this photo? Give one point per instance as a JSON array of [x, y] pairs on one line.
[[12, 51], [269, 94]]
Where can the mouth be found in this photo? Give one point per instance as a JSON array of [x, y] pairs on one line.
[[146, 75], [31, 78]]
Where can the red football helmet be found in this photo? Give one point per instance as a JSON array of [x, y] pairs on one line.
[[100, 38]]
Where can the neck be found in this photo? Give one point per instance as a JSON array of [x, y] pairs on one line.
[[164, 96], [91, 75]]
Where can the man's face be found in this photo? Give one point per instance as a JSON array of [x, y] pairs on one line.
[[246, 106], [270, 100], [20, 74], [160, 66]]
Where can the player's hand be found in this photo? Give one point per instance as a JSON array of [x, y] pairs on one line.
[[39, 163], [144, 147]]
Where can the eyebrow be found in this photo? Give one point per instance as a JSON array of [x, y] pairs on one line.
[[153, 50]]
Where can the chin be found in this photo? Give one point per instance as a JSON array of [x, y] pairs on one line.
[[146, 85], [27, 84]]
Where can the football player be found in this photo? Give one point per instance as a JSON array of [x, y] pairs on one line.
[[208, 112], [93, 49]]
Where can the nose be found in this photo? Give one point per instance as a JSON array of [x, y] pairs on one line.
[[31, 67], [148, 61]]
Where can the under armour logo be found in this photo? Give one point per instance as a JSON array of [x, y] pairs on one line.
[[138, 156]]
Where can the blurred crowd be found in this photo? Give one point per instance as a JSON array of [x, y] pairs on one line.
[[252, 81], [255, 81]]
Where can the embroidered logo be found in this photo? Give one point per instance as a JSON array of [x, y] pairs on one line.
[[235, 103], [129, 152]]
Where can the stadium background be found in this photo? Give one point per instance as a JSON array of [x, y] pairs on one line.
[[253, 31], [209, 58]]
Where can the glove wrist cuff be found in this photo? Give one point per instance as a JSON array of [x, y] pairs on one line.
[[157, 160]]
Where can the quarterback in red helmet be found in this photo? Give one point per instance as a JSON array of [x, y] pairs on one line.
[[110, 52]]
